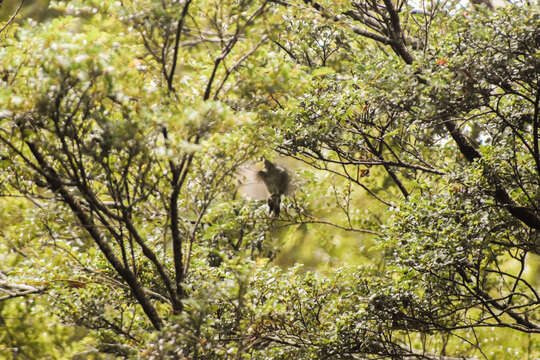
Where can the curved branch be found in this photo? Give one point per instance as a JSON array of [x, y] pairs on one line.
[[179, 28], [12, 18], [88, 224]]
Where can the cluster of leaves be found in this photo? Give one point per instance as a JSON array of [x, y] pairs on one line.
[[126, 129], [268, 313]]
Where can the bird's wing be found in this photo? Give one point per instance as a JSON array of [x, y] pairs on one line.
[[291, 186], [254, 191], [288, 167], [287, 181], [251, 186]]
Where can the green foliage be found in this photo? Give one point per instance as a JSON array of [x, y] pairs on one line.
[[412, 135]]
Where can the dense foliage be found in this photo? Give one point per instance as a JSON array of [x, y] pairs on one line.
[[412, 132]]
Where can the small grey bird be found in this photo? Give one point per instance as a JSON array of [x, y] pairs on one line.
[[270, 183]]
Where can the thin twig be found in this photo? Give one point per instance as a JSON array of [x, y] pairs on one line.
[[13, 16]]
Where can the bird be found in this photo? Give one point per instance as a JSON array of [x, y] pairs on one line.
[[277, 182], [271, 183]]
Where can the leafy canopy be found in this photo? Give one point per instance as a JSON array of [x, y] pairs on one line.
[[412, 130]]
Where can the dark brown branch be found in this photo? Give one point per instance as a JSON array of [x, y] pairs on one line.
[[521, 320], [12, 18], [394, 18], [536, 121], [388, 170], [56, 186], [325, 168], [175, 233], [289, 52], [368, 21], [212, 77], [523, 214], [398, 43], [175, 300], [237, 64], [179, 28], [323, 222], [379, 38], [179, 177]]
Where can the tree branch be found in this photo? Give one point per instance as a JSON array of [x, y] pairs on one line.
[[17, 290], [56, 185], [12, 18], [179, 28]]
